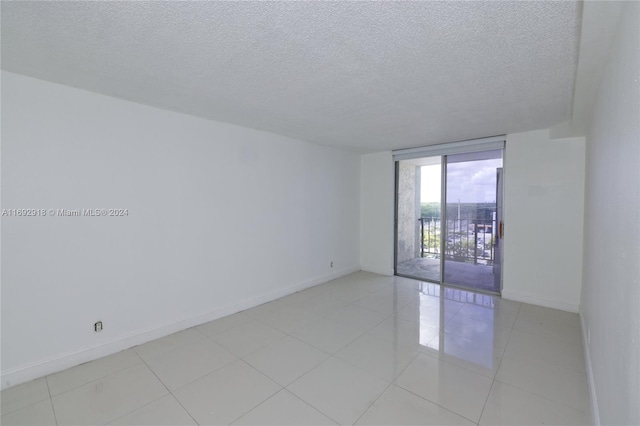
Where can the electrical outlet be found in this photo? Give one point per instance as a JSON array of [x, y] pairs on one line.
[[332, 264], [97, 326]]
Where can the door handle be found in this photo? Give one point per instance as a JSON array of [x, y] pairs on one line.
[[501, 232]]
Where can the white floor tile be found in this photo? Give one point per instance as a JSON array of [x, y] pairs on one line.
[[454, 388], [248, 337], [165, 411], [344, 281], [339, 390], [284, 408], [90, 371], [289, 318], [402, 295], [23, 395], [304, 296], [349, 294], [355, 316], [227, 394], [256, 312], [427, 314], [472, 344], [473, 327], [405, 282], [161, 346], [286, 359], [549, 322], [370, 277], [478, 354], [108, 398], [565, 386], [384, 302], [440, 303], [407, 333], [539, 347], [329, 336], [396, 406], [189, 362], [318, 289], [501, 303], [501, 315], [379, 357], [550, 315], [222, 324], [321, 306], [508, 405], [38, 414]]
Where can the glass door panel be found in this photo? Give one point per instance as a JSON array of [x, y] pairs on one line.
[[418, 218], [471, 224]]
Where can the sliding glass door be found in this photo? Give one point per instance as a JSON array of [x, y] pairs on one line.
[[449, 219]]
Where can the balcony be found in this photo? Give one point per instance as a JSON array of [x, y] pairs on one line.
[[469, 253], [468, 240]]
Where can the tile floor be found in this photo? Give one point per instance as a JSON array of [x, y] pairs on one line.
[[362, 349]]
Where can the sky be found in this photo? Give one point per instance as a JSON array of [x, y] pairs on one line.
[[469, 182]]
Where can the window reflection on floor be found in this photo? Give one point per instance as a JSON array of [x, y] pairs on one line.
[[465, 324]]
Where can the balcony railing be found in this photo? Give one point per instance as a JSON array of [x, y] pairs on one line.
[[467, 240]]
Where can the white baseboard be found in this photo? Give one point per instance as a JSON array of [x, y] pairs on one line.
[[325, 278], [540, 301], [595, 412], [52, 365]]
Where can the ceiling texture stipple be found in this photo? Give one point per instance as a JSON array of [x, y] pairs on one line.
[[366, 76]]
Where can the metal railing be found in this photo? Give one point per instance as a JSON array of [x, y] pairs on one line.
[[467, 240]]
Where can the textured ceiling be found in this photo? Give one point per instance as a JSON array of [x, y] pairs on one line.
[[367, 76]]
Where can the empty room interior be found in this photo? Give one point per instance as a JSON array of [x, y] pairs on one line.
[[305, 213]]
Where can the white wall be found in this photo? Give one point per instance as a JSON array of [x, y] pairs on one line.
[[220, 218], [376, 212], [544, 201], [610, 307]]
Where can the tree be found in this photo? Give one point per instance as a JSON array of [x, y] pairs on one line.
[[430, 210]]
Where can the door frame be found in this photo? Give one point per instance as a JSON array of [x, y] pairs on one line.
[[443, 223]]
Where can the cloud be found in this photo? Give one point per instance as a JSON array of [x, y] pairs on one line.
[[469, 182], [472, 182], [484, 176]]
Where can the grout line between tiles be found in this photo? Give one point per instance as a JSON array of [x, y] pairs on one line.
[[264, 400], [305, 402], [434, 403], [87, 383], [168, 390], [391, 383], [2, 413], [53, 408], [135, 409], [493, 381], [141, 361], [373, 402], [587, 411], [182, 345]]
